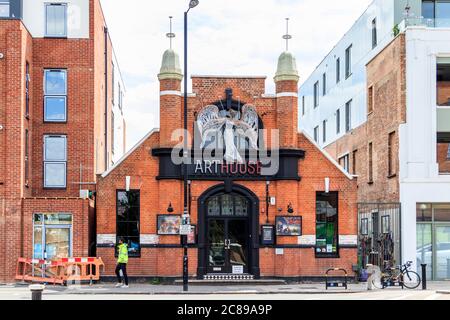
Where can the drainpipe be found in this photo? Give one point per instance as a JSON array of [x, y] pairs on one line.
[[106, 97]]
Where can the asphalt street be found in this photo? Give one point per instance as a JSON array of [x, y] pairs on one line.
[[23, 293]]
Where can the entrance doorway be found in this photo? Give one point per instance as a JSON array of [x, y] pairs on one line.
[[228, 233], [52, 234]]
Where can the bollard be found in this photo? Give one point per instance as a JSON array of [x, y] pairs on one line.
[[36, 291], [424, 276]]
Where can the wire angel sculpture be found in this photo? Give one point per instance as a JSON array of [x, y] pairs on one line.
[[231, 123]]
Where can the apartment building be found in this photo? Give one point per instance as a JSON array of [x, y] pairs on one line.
[[379, 104], [61, 124]]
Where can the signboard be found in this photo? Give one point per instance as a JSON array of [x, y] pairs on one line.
[[309, 240], [238, 269], [348, 240], [185, 229], [149, 239], [268, 234], [279, 251], [106, 239], [288, 225]]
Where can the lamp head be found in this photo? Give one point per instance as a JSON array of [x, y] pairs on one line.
[[193, 3]]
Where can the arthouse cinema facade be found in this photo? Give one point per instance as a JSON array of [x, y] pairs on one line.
[[264, 200]]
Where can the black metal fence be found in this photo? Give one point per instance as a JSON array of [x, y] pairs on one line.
[[379, 234]]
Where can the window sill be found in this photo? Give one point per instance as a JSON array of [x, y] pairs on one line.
[[393, 175], [55, 37], [55, 188], [370, 183], [56, 122]]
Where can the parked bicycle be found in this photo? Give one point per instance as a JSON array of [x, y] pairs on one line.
[[400, 275]]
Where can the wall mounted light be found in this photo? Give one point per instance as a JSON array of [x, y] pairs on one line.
[[127, 183], [2, 55], [170, 208], [290, 210], [327, 185]]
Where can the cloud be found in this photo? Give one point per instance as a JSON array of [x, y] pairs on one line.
[[232, 37]]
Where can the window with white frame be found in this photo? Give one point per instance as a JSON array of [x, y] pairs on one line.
[[56, 20], [316, 94], [338, 70], [374, 33], [348, 116], [338, 121], [55, 95], [316, 134], [55, 161], [348, 61], [303, 106], [4, 9], [120, 97], [344, 161]]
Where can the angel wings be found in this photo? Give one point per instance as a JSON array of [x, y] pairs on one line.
[[242, 123]]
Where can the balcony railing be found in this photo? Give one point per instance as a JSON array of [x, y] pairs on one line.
[[426, 22]]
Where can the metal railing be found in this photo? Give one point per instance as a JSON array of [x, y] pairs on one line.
[[379, 234], [427, 22]]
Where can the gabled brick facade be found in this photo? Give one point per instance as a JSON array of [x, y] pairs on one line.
[[288, 258]]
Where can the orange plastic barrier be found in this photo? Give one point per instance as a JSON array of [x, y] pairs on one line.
[[82, 269], [59, 271], [37, 270]]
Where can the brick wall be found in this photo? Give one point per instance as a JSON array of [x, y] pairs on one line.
[[386, 74], [156, 194], [84, 61]]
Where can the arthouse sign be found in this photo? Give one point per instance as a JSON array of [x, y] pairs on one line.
[[229, 143]]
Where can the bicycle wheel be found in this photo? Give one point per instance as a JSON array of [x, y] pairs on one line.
[[378, 282], [411, 279]]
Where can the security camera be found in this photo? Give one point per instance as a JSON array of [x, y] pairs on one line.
[[1, 55], [1, 127]]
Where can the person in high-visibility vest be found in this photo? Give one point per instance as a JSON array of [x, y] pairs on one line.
[[122, 261]]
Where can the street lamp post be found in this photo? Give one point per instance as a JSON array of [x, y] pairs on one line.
[[192, 4]]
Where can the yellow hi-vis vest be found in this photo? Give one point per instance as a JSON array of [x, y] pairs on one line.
[[123, 253]]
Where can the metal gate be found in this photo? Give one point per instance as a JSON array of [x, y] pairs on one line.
[[379, 234]]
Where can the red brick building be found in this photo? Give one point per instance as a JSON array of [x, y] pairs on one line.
[[292, 222], [56, 106]]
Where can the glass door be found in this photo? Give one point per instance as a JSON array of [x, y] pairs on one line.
[[237, 246], [216, 246], [442, 252]]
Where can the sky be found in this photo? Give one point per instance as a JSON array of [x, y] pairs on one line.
[[226, 37]]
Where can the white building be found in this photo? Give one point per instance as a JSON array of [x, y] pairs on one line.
[[333, 104]]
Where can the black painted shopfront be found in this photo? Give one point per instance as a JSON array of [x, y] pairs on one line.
[[228, 231]]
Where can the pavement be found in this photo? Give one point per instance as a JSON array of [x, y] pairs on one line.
[[304, 291]]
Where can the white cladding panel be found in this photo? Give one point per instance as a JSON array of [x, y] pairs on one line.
[[354, 87], [77, 17]]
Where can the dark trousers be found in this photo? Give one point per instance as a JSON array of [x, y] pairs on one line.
[[123, 267]]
